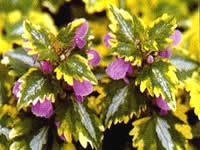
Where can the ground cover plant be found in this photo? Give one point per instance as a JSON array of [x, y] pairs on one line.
[[99, 74]]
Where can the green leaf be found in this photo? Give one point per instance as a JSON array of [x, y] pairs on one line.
[[5, 84], [22, 5], [13, 30], [161, 29], [4, 143], [122, 101], [19, 145], [159, 79], [40, 41], [196, 130], [53, 5], [66, 34], [36, 86], [184, 64], [126, 33], [152, 133], [78, 121], [21, 128], [39, 140], [93, 6], [75, 67], [4, 131], [18, 61], [36, 141]]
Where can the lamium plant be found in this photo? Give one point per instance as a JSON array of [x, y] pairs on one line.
[[58, 93]]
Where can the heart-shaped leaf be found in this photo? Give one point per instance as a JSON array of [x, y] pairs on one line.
[[77, 121]]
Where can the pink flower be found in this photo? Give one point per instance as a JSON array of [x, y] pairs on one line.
[[162, 104], [81, 32], [44, 109], [150, 59], [82, 89], [176, 37], [16, 89], [118, 69], [46, 66], [106, 39], [62, 137], [93, 57], [166, 54]]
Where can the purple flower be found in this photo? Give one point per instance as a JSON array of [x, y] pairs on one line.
[[35, 58], [118, 69], [93, 57], [62, 137], [82, 89], [150, 59], [46, 66], [166, 54], [44, 109], [106, 39], [79, 36], [176, 37], [16, 89], [162, 105]]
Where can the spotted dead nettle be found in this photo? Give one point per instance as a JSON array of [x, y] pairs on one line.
[[62, 137], [46, 66], [107, 37], [43, 109], [93, 57], [82, 89], [176, 37], [150, 59], [118, 69], [16, 89], [162, 104], [81, 32]]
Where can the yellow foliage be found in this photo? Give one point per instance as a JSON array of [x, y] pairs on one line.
[[191, 39], [192, 85]]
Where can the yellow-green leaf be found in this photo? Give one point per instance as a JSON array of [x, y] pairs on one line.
[[75, 67], [35, 86], [155, 133], [79, 122], [159, 79]]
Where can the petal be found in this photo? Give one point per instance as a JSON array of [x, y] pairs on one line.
[[93, 57], [106, 39], [79, 98], [150, 59], [44, 109], [25, 40], [166, 54], [130, 68], [176, 37], [82, 88], [16, 89], [35, 58], [126, 80], [82, 30], [46, 66], [57, 123], [27, 49], [162, 104], [62, 137], [118, 69], [80, 42], [163, 112]]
